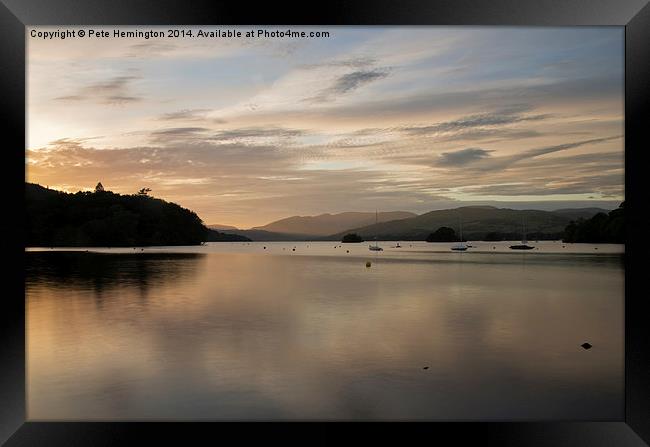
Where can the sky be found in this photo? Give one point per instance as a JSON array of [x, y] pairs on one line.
[[245, 131]]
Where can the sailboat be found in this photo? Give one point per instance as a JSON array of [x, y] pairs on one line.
[[375, 247], [461, 246], [524, 242]]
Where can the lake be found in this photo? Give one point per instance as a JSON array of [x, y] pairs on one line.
[[231, 331]]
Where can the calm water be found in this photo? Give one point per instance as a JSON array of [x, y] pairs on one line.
[[236, 331]]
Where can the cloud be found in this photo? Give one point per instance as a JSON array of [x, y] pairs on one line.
[[195, 134], [184, 115], [150, 49], [503, 162], [606, 185], [499, 118], [256, 132], [562, 147], [348, 83], [354, 62], [175, 133], [112, 91], [462, 157], [557, 94]]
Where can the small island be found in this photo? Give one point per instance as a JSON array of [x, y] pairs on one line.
[[443, 234], [352, 238]]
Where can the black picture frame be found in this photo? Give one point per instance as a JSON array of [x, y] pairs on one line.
[[15, 15]]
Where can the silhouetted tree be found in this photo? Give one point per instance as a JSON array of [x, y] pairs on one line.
[[144, 191], [601, 228], [56, 218]]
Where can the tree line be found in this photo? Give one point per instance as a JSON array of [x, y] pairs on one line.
[[601, 228], [103, 218]]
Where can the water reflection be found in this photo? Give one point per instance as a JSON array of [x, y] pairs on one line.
[[242, 336], [106, 274]]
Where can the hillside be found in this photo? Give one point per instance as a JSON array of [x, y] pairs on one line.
[[580, 213], [327, 224], [218, 236], [220, 227], [479, 222], [106, 219], [269, 236]]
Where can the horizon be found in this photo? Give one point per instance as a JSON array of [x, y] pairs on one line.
[[607, 207], [248, 131]]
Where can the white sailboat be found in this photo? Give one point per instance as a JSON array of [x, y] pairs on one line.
[[375, 247], [524, 242], [461, 246]]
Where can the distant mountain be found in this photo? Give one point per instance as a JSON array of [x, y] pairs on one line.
[[217, 236], [219, 227], [268, 236], [327, 224], [479, 223]]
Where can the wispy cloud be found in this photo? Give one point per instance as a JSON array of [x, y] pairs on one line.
[[498, 118], [115, 90], [173, 134], [255, 132], [505, 161], [348, 83], [184, 115]]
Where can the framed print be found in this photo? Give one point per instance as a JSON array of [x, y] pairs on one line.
[[382, 221]]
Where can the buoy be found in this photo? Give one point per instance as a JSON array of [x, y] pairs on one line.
[[264, 247], [426, 367], [347, 251], [293, 249], [368, 264], [586, 346]]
